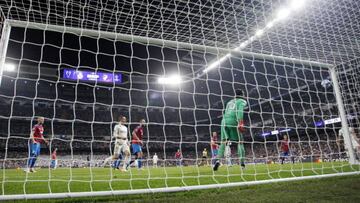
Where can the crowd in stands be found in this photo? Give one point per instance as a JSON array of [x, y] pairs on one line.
[[266, 152], [87, 131]]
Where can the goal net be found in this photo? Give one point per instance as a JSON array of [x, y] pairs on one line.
[[133, 95]]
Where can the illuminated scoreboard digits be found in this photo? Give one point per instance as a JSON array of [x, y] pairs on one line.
[[91, 76]]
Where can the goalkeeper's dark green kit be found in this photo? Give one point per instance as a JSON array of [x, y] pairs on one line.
[[232, 126]]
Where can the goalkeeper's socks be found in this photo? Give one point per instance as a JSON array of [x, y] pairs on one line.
[[242, 165]]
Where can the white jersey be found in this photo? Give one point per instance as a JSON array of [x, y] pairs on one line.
[[120, 134], [227, 151], [353, 137], [155, 158]]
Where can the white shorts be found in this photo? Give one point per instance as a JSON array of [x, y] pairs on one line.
[[121, 148]]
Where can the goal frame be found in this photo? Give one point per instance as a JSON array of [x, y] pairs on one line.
[[6, 30]]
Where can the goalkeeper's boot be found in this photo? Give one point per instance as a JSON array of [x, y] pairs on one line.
[[242, 166], [217, 165]]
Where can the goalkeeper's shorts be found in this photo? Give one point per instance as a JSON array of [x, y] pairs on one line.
[[229, 131]]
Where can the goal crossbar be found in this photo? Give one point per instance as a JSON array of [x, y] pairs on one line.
[[164, 43]]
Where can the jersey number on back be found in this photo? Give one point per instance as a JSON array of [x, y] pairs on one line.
[[231, 106]]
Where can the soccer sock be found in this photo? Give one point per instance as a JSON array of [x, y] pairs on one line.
[[126, 160], [131, 162], [117, 163], [139, 163], [33, 162], [29, 162], [241, 153]]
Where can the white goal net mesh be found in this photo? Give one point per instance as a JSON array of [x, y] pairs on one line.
[[82, 65]]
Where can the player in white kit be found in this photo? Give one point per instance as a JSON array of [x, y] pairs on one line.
[[155, 160], [227, 154], [355, 142], [121, 144]]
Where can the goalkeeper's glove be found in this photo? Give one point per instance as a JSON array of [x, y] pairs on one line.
[[241, 127]]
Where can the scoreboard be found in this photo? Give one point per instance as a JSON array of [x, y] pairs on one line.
[[92, 76]]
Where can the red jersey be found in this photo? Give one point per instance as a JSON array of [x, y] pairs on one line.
[[139, 132], [285, 145], [53, 155], [213, 143], [38, 133], [178, 155]]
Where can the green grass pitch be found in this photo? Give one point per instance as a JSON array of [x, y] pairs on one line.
[[101, 179]]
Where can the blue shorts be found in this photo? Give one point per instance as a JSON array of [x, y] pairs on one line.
[[53, 163], [35, 149], [135, 148], [214, 152], [283, 154]]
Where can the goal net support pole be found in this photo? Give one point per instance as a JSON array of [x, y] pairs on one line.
[[4, 41], [343, 117]]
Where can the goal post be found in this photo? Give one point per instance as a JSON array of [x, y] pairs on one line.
[[343, 116], [4, 41]]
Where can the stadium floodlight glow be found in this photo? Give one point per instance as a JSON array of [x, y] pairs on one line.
[[282, 14], [269, 24], [9, 67], [172, 80], [243, 45], [216, 63], [259, 33], [297, 4]]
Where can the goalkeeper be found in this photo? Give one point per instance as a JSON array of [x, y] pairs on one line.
[[232, 128]]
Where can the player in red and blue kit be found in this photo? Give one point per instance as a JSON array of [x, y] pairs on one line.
[[214, 147], [53, 164], [37, 137], [178, 158], [136, 143], [285, 149]]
